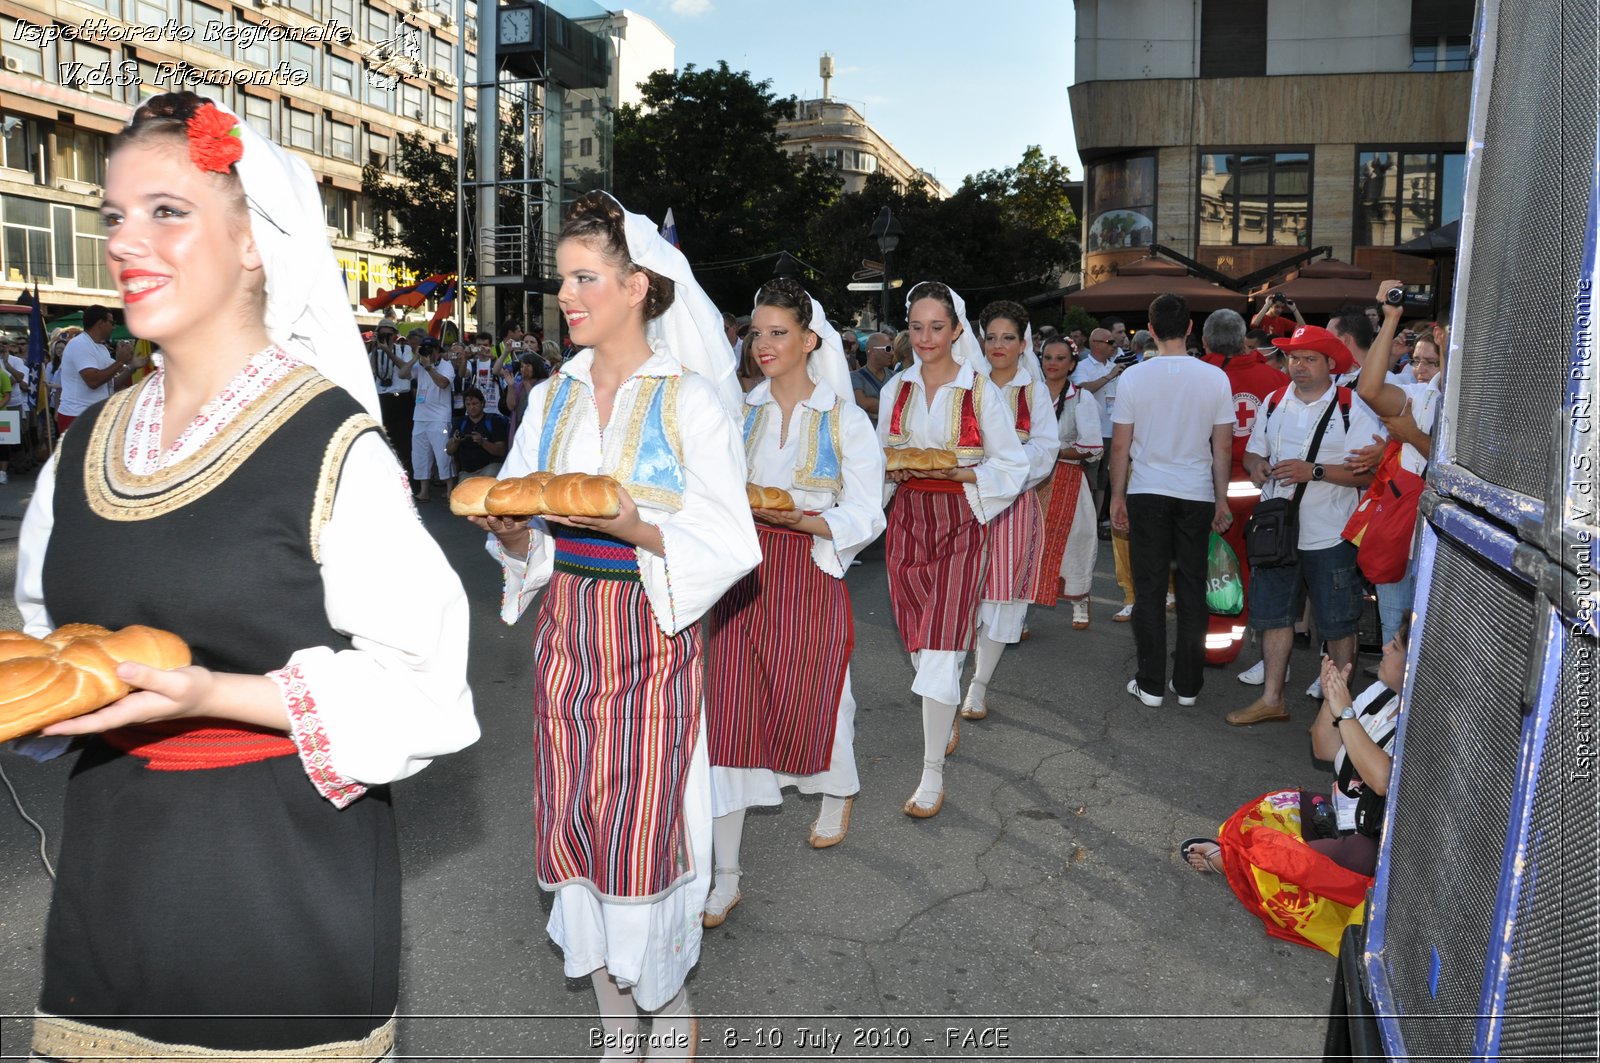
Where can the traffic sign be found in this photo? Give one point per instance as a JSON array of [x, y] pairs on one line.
[[867, 275], [872, 286]]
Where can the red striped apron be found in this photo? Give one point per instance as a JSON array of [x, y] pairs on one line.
[[615, 712], [936, 557], [1060, 498], [776, 653], [1014, 540]]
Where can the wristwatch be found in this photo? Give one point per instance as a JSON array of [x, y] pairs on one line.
[[1318, 472], [1349, 713]]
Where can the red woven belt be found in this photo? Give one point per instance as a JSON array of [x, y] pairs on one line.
[[178, 745], [921, 483]]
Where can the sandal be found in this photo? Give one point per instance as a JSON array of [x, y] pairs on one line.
[[1185, 848]]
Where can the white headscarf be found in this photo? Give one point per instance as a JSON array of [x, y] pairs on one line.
[[827, 363], [308, 304], [691, 329], [966, 349]]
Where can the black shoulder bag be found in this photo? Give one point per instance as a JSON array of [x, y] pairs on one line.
[[1272, 537]]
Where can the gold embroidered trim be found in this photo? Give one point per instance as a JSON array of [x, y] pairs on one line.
[[758, 421], [956, 402], [328, 480], [806, 474], [73, 1042], [116, 494], [628, 459], [901, 437], [559, 437], [1014, 397]]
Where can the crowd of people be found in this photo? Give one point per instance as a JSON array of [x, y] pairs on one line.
[[691, 652]]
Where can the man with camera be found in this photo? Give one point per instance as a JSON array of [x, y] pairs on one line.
[[1278, 315], [430, 428], [89, 371], [388, 355], [1098, 375], [1298, 446], [478, 442]]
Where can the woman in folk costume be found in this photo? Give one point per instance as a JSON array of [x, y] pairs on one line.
[[935, 549], [1016, 535], [229, 878], [780, 708], [1066, 563], [622, 814]]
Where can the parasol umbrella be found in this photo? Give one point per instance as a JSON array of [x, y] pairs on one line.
[[1326, 286], [1137, 283]]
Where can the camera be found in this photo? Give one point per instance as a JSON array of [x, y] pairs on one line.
[[1398, 296], [1126, 358]]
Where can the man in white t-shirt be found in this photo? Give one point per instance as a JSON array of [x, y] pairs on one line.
[[430, 425], [1171, 451], [89, 371], [1279, 458]]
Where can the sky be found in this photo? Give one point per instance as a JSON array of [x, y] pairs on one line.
[[957, 87]]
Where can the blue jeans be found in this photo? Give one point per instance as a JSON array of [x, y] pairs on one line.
[[1332, 581], [1394, 601]]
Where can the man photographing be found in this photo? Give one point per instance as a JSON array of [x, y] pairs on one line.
[[478, 444], [430, 431]]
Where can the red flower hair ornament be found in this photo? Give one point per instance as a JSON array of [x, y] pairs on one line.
[[214, 142]]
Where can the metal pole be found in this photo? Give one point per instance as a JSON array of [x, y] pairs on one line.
[[888, 272], [460, 119], [488, 164]]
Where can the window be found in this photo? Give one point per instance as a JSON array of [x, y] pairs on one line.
[[302, 129], [307, 57], [80, 155], [89, 241], [258, 112], [868, 162], [343, 15], [585, 147], [1402, 194], [27, 239], [342, 141], [379, 26], [1255, 198], [150, 12], [1233, 39], [61, 225], [148, 86], [201, 16], [833, 156], [28, 53], [342, 76], [1441, 34], [86, 67], [378, 150], [259, 52], [19, 147], [339, 207], [411, 102], [305, 7]]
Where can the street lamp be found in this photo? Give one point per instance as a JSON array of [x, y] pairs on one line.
[[887, 232]]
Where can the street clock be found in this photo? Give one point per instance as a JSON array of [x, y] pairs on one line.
[[519, 38]]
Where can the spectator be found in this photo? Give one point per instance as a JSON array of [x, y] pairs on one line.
[[1044, 335], [1118, 330], [868, 381], [1357, 736], [89, 371], [1174, 425], [7, 390], [478, 372], [1251, 380], [430, 429], [1097, 375], [1302, 437], [510, 345], [902, 351], [1256, 339], [852, 347], [478, 444], [1274, 318], [1079, 341], [1409, 412], [1067, 555], [394, 388]]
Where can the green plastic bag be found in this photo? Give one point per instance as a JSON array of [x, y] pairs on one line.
[[1224, 587]]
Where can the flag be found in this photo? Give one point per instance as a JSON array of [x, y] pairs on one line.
[[669, 230], [36, 336], [411, 296], [447, 302]]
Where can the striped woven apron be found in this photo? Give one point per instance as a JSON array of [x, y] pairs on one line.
[[776, 653], [936, 558], [1060, 506], [1014, 540], [615, 713]]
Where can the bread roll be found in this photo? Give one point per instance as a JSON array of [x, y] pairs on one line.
[[752, 494], [939, 459], [14, 644], [79, 676], [581, 495], [467, 499], [777, 499], [516, 497]]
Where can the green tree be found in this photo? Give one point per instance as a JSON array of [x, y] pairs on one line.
[[705, 144]]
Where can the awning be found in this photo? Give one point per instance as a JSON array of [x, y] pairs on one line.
[[1439, 243], [1327, 286], [1137, 283]]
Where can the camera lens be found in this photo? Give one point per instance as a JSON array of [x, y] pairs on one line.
[[1395, 296]]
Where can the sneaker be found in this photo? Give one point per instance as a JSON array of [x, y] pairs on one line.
[[1315, 689], [1255, 675], [1172, 602], [1152, 701], [1080, 614], [1123, 615], [3, 477], [1186, 702]]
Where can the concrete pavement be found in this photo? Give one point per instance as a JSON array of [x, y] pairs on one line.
[[1044, 913]]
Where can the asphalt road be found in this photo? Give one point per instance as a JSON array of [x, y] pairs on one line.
[[1043, 914]]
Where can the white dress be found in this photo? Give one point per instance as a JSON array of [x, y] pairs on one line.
[[1000, 472], [1080, 428], [710, 543], [1004, 620], [855, 517]]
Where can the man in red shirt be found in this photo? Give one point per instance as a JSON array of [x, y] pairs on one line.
[[1274, 316], [1251, 380]]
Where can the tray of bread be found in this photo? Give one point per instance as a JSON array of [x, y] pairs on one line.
[[538, 494], [916, 459], [73, 671], [773, 498]]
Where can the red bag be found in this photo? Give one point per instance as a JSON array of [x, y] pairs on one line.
[[1383, 524]]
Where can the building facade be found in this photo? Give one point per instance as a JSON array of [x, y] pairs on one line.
[[335, 80], [841, 135], [1241, 132]]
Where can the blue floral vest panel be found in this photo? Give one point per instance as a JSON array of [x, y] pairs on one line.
[[650, 466], [821, 466]]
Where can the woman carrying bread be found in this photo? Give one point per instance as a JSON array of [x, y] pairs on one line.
[[1071, 545], [936, 552], [1016, 535], [622, 812], [229, 878], [779, 703]]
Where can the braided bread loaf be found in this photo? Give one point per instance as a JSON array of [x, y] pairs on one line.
[[571, 494], [73, 670], [773, 498], [915, 459]]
